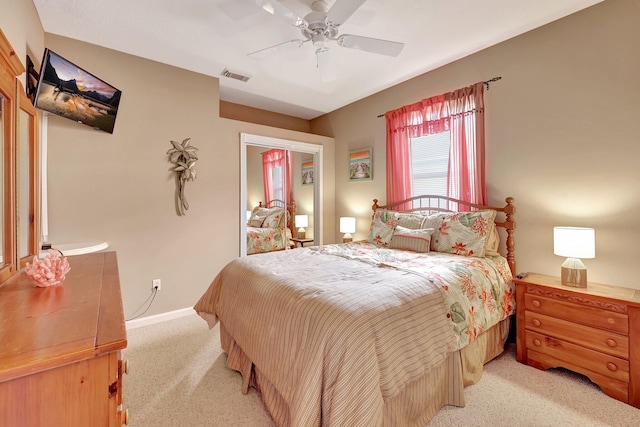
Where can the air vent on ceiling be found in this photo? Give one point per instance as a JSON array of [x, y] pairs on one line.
[[232, 75]]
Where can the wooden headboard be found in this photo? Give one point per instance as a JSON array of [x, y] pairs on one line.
[[291, 212], [505, 216]]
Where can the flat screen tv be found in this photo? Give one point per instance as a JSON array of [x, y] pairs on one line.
[[69, 91]]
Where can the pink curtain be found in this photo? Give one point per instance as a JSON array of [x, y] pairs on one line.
[[466, 178], [272, 159], [461, 112]]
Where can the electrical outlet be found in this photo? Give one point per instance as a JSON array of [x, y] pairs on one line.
[[156, 284]]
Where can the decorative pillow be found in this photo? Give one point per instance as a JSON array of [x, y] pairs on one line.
[[382, 226], [275, 219], [433, 221], [410, 220], [464, 233], [256, 221], [493, 242], [416, 240], [260, 217]]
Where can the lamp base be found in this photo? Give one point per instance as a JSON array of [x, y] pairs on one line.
[[301, 233], [347, 238], [575, 277]]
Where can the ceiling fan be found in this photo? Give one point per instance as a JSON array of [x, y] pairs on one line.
[[319, 27]]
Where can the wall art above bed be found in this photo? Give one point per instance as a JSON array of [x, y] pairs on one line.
[[360, 164]]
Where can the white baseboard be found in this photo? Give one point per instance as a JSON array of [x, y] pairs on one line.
[[159, 318]]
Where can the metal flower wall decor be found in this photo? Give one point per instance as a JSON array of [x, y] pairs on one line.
[[184, 156]]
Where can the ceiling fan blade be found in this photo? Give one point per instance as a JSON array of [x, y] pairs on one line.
[[276, 8], [368, 44], [277, 49], [325, 65], [342, 10]]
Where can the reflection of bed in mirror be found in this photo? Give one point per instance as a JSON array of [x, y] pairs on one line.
[[270, 227]]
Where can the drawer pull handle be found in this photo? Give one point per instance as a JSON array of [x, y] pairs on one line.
[[611, 342], [537, 342], [125, 366], [612, 366], [536, 303], [537, 322]]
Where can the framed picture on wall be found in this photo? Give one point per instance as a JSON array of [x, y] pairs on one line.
[[307, 172], [360, 164]]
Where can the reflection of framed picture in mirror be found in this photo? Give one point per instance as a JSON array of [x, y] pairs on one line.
[[307, 172], [360, 164]]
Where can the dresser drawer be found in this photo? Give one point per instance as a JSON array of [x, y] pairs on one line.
[[578, 313], [610, 366], [595, 339]]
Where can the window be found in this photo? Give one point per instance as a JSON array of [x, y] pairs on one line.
[[430, 163], [278, 183]]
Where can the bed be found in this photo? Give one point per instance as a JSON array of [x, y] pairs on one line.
[[382, 332], [270, 227]]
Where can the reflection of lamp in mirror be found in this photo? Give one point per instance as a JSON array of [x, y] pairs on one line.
[[248, 215], [302, 221], [347, 226], [574, 243]]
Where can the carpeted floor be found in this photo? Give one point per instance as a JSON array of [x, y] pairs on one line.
[[178, 377]]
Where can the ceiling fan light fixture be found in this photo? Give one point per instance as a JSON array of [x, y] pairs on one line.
[[319, 40]]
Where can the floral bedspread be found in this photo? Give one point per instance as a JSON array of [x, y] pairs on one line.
[[260, 240], [478, 292]]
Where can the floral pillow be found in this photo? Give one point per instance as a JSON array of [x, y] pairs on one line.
[[416, 240], [275, 219], [493, 242], [256, 221], [265, 217], [464, 233], [382, 226]]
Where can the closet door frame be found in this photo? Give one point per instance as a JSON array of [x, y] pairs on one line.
[[301, 147]]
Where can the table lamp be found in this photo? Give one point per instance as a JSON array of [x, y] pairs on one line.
[[302, 221], [347, 226], [574, 243]]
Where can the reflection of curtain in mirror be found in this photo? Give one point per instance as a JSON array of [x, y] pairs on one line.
[[274, 162]]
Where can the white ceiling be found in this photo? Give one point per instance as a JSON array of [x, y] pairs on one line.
[[207, 36]]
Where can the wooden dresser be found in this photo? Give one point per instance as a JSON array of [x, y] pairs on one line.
[[60, 348], [594, 331]]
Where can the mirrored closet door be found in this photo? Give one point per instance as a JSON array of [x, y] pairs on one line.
[[259, 165]]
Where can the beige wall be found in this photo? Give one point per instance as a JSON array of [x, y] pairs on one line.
[[562, 130], [562, 138], [21, 25], [255, 180], [118, 188]]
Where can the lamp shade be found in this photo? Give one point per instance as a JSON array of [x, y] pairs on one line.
[[248, 215], [574, 242], [347, 224], [302, 221]]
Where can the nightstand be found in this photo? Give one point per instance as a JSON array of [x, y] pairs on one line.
[[301, 242], [594, 331]]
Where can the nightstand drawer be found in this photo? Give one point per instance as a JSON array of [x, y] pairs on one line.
[[612, 367], [596, 339], [578, 313]]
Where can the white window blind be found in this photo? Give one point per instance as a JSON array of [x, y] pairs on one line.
[[429, 163]]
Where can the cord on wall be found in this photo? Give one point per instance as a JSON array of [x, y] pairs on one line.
[[154, 292]]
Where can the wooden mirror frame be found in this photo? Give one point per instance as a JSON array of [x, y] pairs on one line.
[[10, 68], [32, 229]]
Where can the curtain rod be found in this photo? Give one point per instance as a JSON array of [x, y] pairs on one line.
[[486, 83]]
